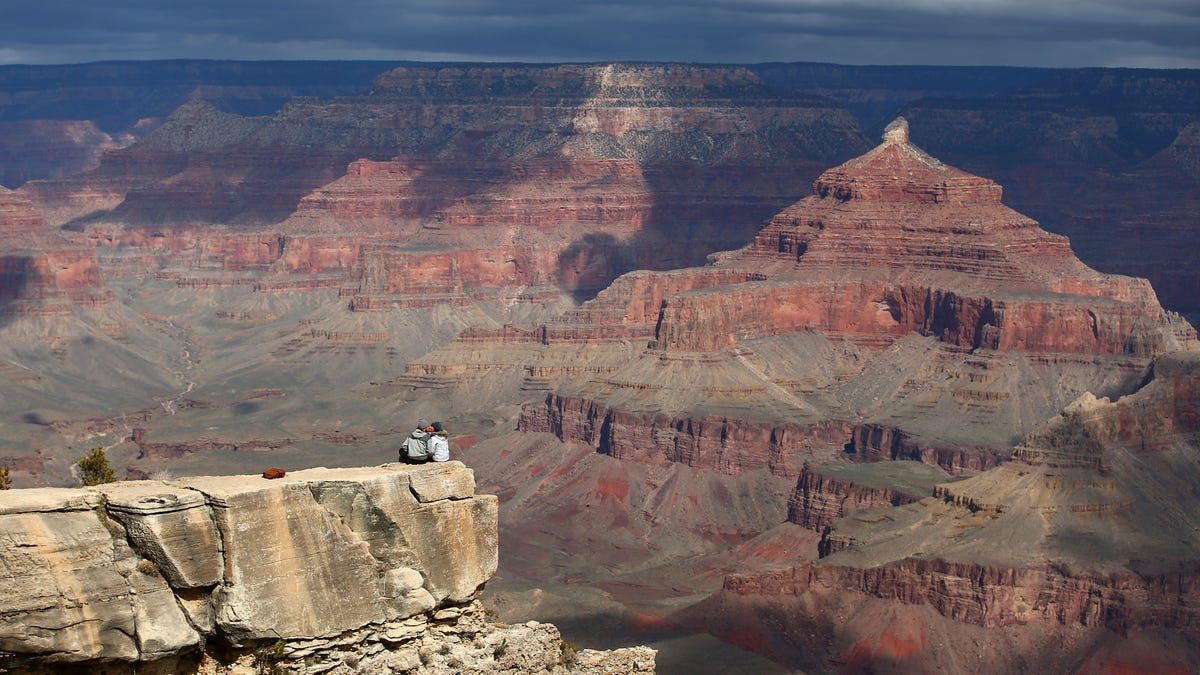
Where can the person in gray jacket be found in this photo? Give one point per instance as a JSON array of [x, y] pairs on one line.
[[415, 448]]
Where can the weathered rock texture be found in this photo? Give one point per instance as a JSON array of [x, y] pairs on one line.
[[1096, 516], [368, 570]]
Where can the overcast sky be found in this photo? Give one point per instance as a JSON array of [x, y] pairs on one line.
[[1058, 33]]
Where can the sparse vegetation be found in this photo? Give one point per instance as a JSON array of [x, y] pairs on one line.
[[569, 649], [94, 468], [5, 479], [267, 659], [147, 567]]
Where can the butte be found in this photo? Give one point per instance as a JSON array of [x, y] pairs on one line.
[[901, 311]]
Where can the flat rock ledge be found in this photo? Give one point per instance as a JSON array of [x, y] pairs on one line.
[[357, 570]]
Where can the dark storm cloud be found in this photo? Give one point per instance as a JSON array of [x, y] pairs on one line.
[[1005, 32]]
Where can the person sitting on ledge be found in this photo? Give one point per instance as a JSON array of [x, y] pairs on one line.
[[415, 449], [439, 446]]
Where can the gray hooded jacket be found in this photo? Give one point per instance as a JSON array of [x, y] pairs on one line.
[[416, 446]]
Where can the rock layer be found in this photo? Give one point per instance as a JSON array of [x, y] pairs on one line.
[[145, 571], [902, 294], [1095, 512], [40, 271], [510, 175]]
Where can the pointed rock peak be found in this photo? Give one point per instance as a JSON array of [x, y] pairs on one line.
[[898, 171], [896, 132]]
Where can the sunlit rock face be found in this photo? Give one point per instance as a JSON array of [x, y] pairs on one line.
[[141, 571], [366, 570], [895, 242]]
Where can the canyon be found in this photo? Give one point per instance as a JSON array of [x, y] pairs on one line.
[[750, 387]]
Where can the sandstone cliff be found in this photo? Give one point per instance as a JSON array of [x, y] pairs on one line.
[[365, 570]]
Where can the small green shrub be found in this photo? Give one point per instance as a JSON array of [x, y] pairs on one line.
[[94, 468], [5, 479]]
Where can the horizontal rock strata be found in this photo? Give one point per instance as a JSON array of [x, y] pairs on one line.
[[422, 188], [725, 445], [1094, 511], [40, 271], [139, 572], [890, 246], [820, 499], [1000, 596]]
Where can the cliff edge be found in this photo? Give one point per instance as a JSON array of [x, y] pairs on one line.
[[356, 570]]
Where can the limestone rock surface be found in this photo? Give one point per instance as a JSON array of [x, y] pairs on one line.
[[138, 572]]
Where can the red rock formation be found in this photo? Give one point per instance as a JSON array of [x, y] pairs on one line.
[[41, 272], [728, 446], [891, 245], [894, 242], [820, 499], [573, 181], [999, 596], [1091, 515], [1120, 180]]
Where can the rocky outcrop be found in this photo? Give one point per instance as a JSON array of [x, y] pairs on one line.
[[901, 290], [820, 499], [728, 446], [894, 242], [365, 569]]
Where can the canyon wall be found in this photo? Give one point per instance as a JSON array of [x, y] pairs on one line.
[[993, 596], [42, 272], [729, 446], [363, 570], [446, 183], [1094, 510]]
